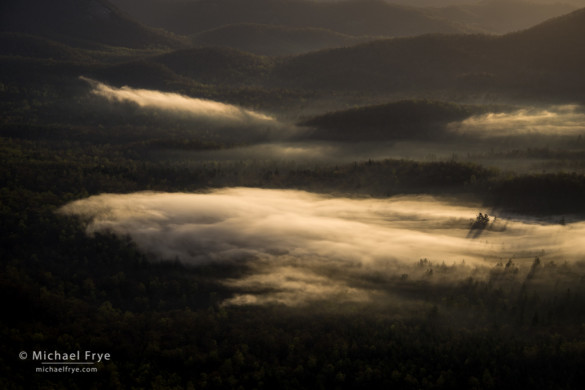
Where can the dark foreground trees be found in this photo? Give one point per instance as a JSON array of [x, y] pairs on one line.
[[165, 326]]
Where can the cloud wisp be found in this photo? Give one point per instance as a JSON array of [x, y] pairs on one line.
[[561, 120], [301, 246], [176, 103]]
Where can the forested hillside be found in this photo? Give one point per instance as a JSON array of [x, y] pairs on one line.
[[267, 39], [516, 64], [83, 23], [421, 119]]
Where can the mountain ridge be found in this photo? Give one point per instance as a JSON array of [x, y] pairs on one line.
[[353, 17], [534, 59], [82, 23], [266, 39]]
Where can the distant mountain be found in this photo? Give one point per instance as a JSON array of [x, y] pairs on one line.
[[211, 72], [220, 67], [428, 62], [217, 65], [352, 17], [140, 74], [25, 45], [274, 40], [502, 16], [546, 60], [80, 23], [557, 44]]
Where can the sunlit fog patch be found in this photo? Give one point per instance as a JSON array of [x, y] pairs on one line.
[[292, 286], [300, 246], [554, 120], [172, 102]]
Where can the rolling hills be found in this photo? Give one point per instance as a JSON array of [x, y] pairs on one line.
[[501, 16], [25, 45], [272, 40], [403, 18], [216, 65], [352, 17], [82, 23], [541, 61]]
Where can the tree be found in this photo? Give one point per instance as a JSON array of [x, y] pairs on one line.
[[481, 221]]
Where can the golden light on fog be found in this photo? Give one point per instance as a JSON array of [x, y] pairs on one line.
[[307, 246]]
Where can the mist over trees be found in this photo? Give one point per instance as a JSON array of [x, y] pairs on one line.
[[343, 104]]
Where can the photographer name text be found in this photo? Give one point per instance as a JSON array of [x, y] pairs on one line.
[[77, 356]]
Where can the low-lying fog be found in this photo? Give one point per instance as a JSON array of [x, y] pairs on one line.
[[179, 104], [491, 139], [299, 246], [560, 120]]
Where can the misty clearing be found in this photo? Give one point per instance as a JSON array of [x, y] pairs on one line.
[[302, 247]]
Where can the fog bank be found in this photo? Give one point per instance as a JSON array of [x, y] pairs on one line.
[[561, 120], [301, 246], [175, 103]]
